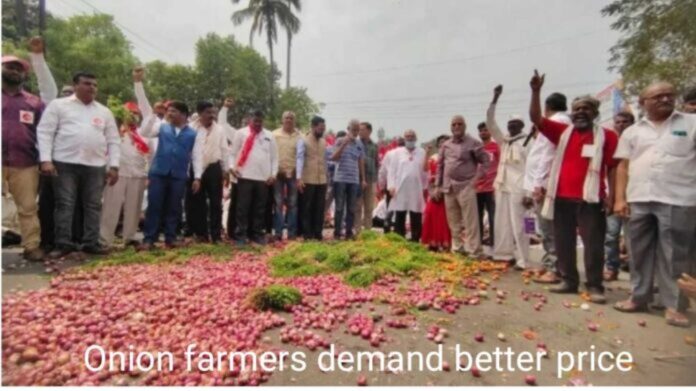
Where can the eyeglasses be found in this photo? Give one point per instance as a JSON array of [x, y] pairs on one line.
[[660, 97], [457, 123]]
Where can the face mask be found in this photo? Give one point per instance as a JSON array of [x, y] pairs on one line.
[[410, 144]]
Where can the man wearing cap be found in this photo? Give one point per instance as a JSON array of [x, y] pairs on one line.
[[656, 191], [577, 194], [536, 177], [79, 146], [127, 193], [21, 112], [312, 173], [512, 201], [461, 161]]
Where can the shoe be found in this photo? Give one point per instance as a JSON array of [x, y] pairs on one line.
[[677, 319], [133, 243], [519, 268], [145, 246], [597, 295], [611, 275], [630, 306], [95, 250], [563, 287], [59, 253], [34, 255], [260, 241], [241, 242], [547, 278]]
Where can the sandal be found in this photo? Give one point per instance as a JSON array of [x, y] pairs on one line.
[[629, 306], [611, 275], [547, 278], [676, 319]]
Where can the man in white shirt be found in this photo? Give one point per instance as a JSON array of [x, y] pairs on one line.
[[656, 191], [406, 181], [231, 198], [536, 177], [78, 139], [205, 221], [127, 194], [254, 162], [511, 199]]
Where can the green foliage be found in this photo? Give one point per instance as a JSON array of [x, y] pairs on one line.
[[361, 262], [658, 42], [362, 277], [274, 297], [219, 252], [172, 82], [20, 24], [294, 99], [91, 43]]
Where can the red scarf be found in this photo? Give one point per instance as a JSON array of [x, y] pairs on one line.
[[138, 141], [248, 144]]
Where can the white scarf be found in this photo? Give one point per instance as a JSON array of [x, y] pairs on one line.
[[509, 153], [590, 189]]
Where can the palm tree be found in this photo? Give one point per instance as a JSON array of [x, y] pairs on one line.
[[265, 16], [291, 30]]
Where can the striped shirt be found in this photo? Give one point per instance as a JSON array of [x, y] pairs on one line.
[[348, 166]]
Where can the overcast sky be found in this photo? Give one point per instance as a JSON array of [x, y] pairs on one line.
[[398, 64]]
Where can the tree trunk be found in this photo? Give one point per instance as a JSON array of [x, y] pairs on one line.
[[287, 76], [270, 74], [21, 18]]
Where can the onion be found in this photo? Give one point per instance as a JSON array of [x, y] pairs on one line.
[[530, 380], [478, 337]]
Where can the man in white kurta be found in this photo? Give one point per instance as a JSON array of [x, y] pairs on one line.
[[512, 201], [406, 181]]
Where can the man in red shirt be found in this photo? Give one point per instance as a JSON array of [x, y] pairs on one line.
[[485, 195], [577, 196]]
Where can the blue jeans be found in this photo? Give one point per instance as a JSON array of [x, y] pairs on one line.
[[611, 242], [164, 196], [285, 193], [345, 195]]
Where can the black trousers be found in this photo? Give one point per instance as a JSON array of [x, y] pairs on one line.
[[204, 209], [47, 206], [387, 227], [312, 216], [269, 208], [590, 219], [252, 198], [486, 202], [232, 212], [416, 224]]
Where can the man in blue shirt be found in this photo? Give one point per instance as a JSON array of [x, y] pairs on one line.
[[178, 146], [349, 178]]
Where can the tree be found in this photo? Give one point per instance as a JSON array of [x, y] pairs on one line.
[[265, 16], [172, 82], [91, 43], [659, 41], [296, 100], [20, 20], [290, 31]]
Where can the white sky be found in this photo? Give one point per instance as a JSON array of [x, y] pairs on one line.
[[398, 64]]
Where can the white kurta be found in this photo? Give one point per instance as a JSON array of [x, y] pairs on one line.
[[405, 173]]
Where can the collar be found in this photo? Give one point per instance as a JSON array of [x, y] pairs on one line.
[[73, 98], [19, 92], [675, 115]]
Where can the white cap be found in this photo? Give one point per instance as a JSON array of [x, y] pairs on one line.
[[515, 117]]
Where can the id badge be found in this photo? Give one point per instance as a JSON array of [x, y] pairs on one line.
[[588, 150], [26, 117]]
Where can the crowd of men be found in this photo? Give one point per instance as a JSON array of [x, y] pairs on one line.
[[75, 172]]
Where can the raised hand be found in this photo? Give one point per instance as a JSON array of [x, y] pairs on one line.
[[498, 90], [537, 81], [138, 74], [36, 45]]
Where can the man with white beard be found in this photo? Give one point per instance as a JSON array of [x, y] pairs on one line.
[[511, 242], [406, 180]]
